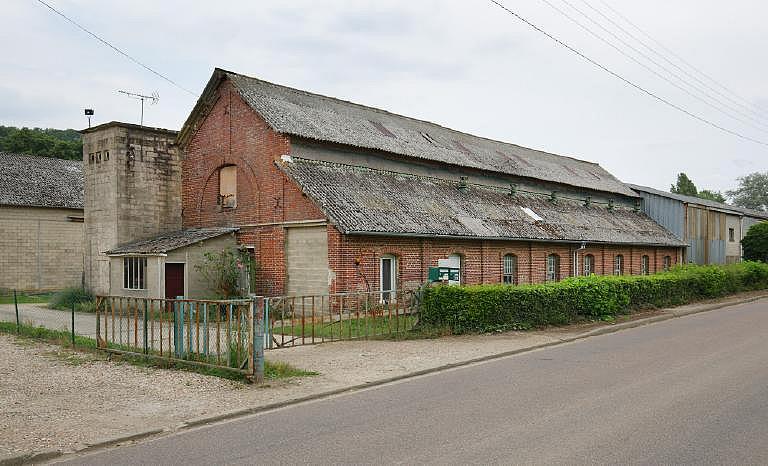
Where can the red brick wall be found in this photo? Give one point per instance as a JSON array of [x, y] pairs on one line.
[[355, 257], [233, 134]]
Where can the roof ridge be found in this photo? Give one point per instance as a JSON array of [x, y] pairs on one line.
[[40, 157], [398, 115]]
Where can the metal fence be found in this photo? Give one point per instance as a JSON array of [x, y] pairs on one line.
[[19, 309], [221, 334], [312, 319]]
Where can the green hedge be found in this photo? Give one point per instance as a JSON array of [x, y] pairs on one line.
[[485, 308]]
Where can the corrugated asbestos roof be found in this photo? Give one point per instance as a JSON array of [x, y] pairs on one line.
[[700, 201], [312, 116], [169, 241], [367, 201], [29, 180]]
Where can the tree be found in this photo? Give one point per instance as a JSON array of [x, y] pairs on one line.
[[63, 144], [755, 243], [716, 196], [752, 192], [684, 186]]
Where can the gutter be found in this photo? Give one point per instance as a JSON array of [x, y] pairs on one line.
[[496, 238]]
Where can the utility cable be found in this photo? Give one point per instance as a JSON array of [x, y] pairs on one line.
[[626, 80], [116, 49]]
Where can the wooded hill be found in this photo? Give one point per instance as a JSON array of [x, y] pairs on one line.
[[60, 143]]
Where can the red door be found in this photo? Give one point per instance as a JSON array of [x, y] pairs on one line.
[[174, 280]]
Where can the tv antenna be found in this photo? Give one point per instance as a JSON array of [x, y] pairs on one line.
[[151, 98]]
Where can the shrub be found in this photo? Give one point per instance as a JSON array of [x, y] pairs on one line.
[[485, 308], [755, 243], [64, 299]]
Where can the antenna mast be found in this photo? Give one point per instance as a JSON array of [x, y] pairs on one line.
[[151, 98]]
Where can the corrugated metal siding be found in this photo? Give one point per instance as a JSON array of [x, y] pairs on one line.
[[669, 213], [716, 252]]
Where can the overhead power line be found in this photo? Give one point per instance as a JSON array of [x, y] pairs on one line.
[[756, 123], [116, 49], [626, 80], [745, 103]]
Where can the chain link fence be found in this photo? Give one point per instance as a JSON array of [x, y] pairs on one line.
[[64, 315]]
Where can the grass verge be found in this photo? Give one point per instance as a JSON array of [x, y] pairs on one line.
[[24, 298], [272, 370], [382, 326]]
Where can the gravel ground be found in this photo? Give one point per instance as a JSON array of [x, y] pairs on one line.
[[53, 398]]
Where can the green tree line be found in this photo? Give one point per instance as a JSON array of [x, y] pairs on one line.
[[49, 142]]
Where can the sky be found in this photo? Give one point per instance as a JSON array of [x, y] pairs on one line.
[[467, 65]]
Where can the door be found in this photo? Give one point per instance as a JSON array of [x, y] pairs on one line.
[[174, 280], [306, 261]]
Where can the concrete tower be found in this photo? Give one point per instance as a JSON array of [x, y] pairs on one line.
[[132, 191]]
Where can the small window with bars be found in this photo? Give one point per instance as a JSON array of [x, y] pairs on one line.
[[509, 276], [553, 268], [667, 263], [644, 265], [618, 265], [134, 273], [589, 265]]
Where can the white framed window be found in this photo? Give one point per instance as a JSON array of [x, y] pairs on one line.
[[618, 265], [134, 273], [509, 275], [553, 268], [388, 277], [644, 265], [667, 263], [589, 265]]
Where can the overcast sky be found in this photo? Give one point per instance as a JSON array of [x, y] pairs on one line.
[[464, 64]]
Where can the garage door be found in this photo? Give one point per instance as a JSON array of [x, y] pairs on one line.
[[306, 260]]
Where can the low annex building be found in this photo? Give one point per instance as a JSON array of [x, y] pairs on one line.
[[41, 222], [334, 196], [713, 230]]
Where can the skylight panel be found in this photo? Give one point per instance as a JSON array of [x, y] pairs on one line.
[[531, 214], [428, 138], [382, 129]]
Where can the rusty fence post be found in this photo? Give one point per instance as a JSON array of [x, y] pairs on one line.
[[146, 308], [16, 305]]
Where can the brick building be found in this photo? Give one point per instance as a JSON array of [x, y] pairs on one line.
[[333, 196], [41, 222]]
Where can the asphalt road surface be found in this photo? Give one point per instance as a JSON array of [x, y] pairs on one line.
[[692, 390]]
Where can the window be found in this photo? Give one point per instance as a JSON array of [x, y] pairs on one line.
[[618, 265], [731, 235], [388, 276], [228, 186], [553, 268], [455, 261], [134, 270], [589, 265], [509, 276], [644, 261], [667, 263]]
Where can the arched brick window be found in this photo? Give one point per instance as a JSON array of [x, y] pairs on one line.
[[228, 186], [589, 265], [618, 265], [509, 269], [553, 268]]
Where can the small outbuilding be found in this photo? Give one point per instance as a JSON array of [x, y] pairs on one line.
[[167, 266]]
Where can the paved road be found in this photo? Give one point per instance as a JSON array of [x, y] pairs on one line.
[[684, 391]]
